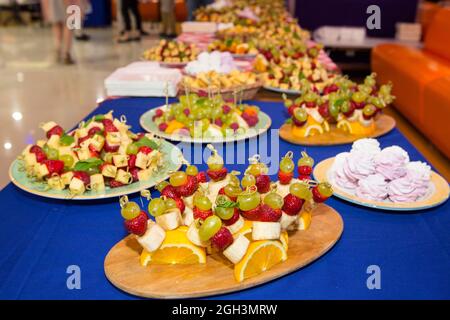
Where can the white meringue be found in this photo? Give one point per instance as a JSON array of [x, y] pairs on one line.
[[358, 165], [368, 145], [339, 176], [391, 162], [373, 187], [413, 186]]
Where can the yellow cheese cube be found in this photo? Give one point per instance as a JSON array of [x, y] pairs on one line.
[[48, 126], [53, 142], [30, 159], [141, 160], [56, 183], [83, 154], [94, 124], [144, 174], [97, 182], [98, 142], [120, 160], [81, 132], [41, 143], [123, 176], [67, 177], [109, 171], [113, 138], [77, 186], [41, 171]]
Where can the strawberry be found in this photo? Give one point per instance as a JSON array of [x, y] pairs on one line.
[[35, 149], [304, 170], [253, 214], [145, 150], [109, 148], [54, 166], [109, 126], [222, 239], [292, 204], [92, 131], [139, 136], [134, 173], [132, 161], [55, 130], [159, 113], [285, 177], [267, 214], [138, 225], [82, 139], [115, 184], [233, 219], [188, 188], [317, 196], [83, 176], [324, 110], [291, 109], [163, 126], [263, 183], [169, 191], [217, 175], [39, 153], [200, 214], [180, 204], [201, 177], [302, 177]]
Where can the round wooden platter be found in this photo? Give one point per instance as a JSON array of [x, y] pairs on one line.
[[438, 192], [383, 125], [122, 267]]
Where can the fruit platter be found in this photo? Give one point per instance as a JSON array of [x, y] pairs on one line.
[[206, 119], [342, 112], [384, 179], [236, 46], [102, 158], [172, 53], [211, 232]]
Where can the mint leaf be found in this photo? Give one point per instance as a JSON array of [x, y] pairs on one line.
[[339, 102], [144, 141], [99, 117], [66, 140], [85, 165]]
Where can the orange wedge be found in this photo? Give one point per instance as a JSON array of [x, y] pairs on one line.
[[284, 238], [175, 249], [304, 220], [261, 256], [173, 125]]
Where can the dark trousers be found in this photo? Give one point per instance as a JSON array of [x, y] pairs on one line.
[[131, 6]]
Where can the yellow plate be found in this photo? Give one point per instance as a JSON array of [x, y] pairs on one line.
[[439, 192]]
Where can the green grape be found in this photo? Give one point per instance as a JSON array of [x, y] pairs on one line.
[[359, 96], [369, 110], [224, 213], [298, 101], [287, 165], [157, 207], [274, 200], [325, 189], [202, 202], [365, 89], [310, 96], [67, 159], [305, 160], [93, 170], [45, 148], [257, 168], [215, 162], [300, 190], [288, 103], [345, 106], [209, 228], [385, 90], [178, 178], [52, 154], [130, 210], [234, 180], [377, 102], [216, 113], [370, 80], [160, 186], [300, 114], [249, 200], [132, 148], [191, 170], [205, 124], [334, 110], [232, 190], [181, 117], [248, 180], [170, 204]]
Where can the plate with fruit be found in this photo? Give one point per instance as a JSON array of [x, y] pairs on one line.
[[341, 113], [200, 119], [223, 235], [100, 159], [172, 54], [385, 179]]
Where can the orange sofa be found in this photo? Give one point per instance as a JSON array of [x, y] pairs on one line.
[[421, 79]]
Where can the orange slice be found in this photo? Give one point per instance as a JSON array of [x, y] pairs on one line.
[[304, 220], [284, 238]]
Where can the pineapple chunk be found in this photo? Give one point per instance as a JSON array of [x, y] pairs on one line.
[[30, 159], [81, 132], [41, 143], [120, 160], [77, 186], [85, 144], [67, 177], [144, 174], [109, 171], [113, 138], [53, 142], [141, 160], [94, 124], [97, 182], [26, 150], [41, 171], [48, 126], [123, 177], [84, 154], [98, 142]]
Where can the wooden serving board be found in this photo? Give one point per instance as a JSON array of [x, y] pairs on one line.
[[122, 267], [383, 125]]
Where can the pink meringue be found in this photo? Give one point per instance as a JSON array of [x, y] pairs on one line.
[[358, 165], [339, 176], [391, 162], [373, 187], [413, 186], [370, 146]]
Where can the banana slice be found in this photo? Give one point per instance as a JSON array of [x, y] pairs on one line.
[[287, 220], [235, 227], [193, 236], [153, 237], [266, 230], [236, 251], [170, 220], [188, 216]]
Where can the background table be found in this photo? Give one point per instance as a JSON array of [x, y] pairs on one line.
[[40, 238]]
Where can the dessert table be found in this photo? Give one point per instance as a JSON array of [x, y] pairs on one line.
[[41, 238]]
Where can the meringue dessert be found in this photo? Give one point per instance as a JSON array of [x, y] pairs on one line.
[[380, 174]]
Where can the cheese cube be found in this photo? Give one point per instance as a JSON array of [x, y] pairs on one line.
[[121, 126], [85, 144], [144, 174], [94, 124], [53, 142], [56, 183], [123, 147], [81, 132], [97, 142], [41, 143], [26, 150], [41, 171], [84, 154], [109, 170], [48, 126], [77, 186], [67, 177], [30, 159], [120, 160], [141, 160], [123, 176], [97, 182], [109, 115], [113, 138]]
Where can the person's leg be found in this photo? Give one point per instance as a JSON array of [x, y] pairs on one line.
[[79, 33], [57, 39], [191, 6], [171, 20], [67, 45], [127, 21], [137, 15]]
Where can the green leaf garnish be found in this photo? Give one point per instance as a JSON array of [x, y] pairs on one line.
[[144, 141], [99, 117], [88, 164], [66, 140]]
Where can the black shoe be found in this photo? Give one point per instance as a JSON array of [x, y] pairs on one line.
[[83, 37], [137, 38], [171, 36], [163, 35], [144, 33]]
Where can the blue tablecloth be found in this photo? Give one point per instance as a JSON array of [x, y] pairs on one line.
[[40, 238]]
